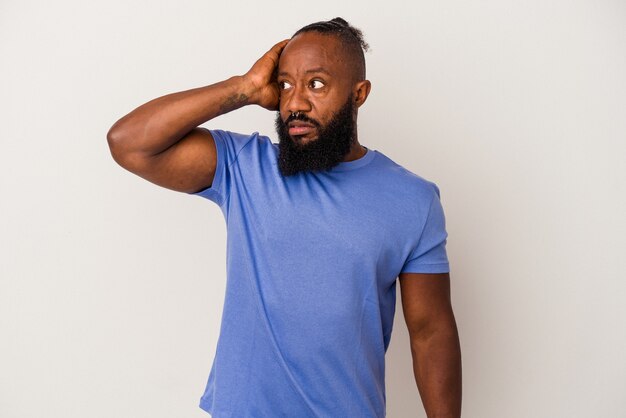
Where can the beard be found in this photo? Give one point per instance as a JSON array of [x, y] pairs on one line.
[[332, 145]]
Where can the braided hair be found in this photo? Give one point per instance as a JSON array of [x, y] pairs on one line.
[[350, 37]]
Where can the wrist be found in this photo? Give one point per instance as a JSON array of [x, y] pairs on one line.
[[246, 87], [234, 94]]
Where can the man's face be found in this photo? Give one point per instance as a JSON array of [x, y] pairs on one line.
[[330, 147], [315, 83]]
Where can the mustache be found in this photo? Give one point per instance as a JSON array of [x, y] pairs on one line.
[[301, 117]]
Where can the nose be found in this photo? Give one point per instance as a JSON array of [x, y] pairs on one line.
[[295, 100]]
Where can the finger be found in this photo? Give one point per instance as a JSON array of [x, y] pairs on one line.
[[277, 49], [282, 43]]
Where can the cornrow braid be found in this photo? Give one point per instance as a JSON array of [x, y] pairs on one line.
[[339, 27], [351, 37]]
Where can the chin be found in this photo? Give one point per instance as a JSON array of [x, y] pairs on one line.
[[302, 140]]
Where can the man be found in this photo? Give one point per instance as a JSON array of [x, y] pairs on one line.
[[319, 228]]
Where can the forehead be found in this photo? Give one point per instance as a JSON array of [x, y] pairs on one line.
[[312, 50]]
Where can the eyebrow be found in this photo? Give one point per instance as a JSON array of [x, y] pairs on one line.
[[312, 70]]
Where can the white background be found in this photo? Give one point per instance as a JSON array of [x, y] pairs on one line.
[[112, 287]]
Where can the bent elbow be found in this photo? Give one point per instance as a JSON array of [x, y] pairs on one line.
[[118, 141]]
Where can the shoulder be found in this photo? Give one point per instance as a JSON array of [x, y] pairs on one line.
[[407, 183], [235, 143], [237, 136]]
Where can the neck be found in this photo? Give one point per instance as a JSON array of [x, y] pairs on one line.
[[356, 151]]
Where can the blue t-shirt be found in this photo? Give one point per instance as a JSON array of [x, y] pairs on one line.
[[312, 263]]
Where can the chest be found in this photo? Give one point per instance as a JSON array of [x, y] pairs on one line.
[[343, 223]]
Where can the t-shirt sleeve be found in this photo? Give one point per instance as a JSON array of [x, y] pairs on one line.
[[429, 255], [228, 146]]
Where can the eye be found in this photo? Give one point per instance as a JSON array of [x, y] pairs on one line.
[[283, 85], [316, 84]]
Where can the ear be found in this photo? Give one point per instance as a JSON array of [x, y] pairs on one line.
[[361, 91]]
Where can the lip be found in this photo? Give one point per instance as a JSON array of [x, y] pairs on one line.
[[300, 128]]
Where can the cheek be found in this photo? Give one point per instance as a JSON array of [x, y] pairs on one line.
[[326, 113], [322, 109], [284, 113]]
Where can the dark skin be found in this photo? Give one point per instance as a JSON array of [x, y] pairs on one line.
[[316, 78], [435, 346], [161, 142]]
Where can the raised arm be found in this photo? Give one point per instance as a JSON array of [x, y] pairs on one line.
[[160, 140], [434, 342]]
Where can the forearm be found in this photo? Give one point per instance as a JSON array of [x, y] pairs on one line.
[[160, 123], [437, 368]]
